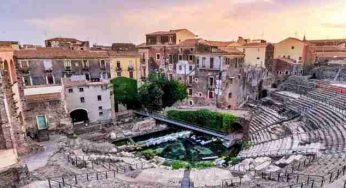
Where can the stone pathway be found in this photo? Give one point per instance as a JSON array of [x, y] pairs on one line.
[[40, 159]]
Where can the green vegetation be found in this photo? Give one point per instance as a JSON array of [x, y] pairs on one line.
[[125, 92], [158, 92], [155, 94], [245, 144], [203, 164], [178, 164], [208, 119], [149, 153]]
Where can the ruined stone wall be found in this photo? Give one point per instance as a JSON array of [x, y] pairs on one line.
[[14, 176], [54, 111]]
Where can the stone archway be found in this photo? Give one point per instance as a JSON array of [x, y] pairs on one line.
[[79, 116]]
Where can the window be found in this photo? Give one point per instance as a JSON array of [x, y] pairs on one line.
[[190, 79], [190, 91], [118, 65], [200, 94], [99, 98], [130, 64], [180, 57], [100, 107], [191, 102], [230, 95], [102, 64], [82, 100], [27, 81], [81, 89], [190, 57], [131, 74], [231, 81], [170, 76], [180, 67], [196, 80], [170, 59], [211, 81], [292, 47], [118, 73], [158, 56], [258, 57], [87, 76], [100, 113], [48, 66], [85, 64], [104, 75], [67, 64], [70, 90], [210, 94], [50, 79], [24, 64], [190, 68], [289, 57], [300, 58], [203, 62], [211, 62], [286, 72]]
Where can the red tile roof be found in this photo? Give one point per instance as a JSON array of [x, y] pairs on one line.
[[166, 32], [219, 43], [63, 39], [58, 53]]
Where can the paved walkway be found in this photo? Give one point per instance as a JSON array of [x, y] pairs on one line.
[[40, 159], [7, 158]]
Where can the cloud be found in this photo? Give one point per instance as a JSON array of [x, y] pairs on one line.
[[216, 20]]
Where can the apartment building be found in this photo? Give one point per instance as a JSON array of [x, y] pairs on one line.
[[218, 78], [71, 43], [295, 50], [328, 50], [40, 72], [161, 49]]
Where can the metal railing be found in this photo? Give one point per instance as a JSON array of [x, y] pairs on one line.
[[185, 124]]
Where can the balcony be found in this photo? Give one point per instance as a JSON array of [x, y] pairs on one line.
[[25, 70], [118, 69]]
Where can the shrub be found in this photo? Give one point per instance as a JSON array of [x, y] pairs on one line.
[[148, 154], [180, 164], [205, 118], [204, 164]]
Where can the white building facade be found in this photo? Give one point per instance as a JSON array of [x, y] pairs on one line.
[[87, 101]]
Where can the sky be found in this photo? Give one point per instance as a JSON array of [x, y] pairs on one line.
[[107, 21]]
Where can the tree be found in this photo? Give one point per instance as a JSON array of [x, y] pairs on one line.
[[150, 96], [125, 92], [173, 91], [159, 92]]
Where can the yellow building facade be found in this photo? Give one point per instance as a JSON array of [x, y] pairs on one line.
[[126, 65]]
